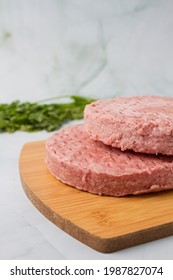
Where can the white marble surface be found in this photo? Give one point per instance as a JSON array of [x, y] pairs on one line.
[[93, 48]]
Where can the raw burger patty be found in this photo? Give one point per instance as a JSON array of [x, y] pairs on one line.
[[142, 124], [75, 159]]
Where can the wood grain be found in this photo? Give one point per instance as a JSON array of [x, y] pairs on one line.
[[106, 224]]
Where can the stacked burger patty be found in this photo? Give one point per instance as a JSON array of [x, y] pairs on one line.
[[124, 147]]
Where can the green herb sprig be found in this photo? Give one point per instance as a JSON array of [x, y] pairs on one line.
[[32, 117]]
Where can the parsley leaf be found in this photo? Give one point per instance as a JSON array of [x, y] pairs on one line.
[[32, 117]]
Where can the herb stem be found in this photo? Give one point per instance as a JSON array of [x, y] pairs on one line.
[[53, 98], [30, 117]]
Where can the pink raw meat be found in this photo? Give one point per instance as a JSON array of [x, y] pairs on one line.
[[75, 159], [142, 124]]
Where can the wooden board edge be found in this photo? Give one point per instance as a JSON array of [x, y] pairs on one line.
[[103, 245]]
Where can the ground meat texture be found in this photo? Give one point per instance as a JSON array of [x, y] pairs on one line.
[[73, 158], [142, 124]]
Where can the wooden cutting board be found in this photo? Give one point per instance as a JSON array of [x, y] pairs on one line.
[[106, 224]]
